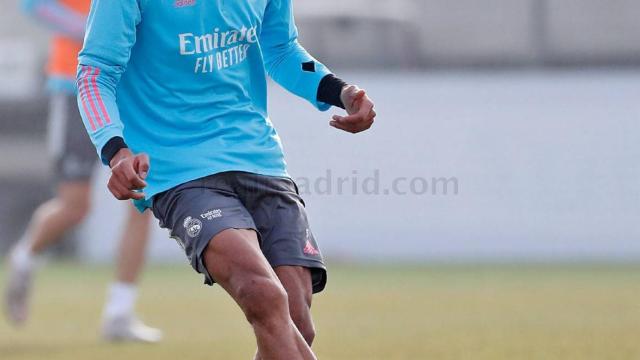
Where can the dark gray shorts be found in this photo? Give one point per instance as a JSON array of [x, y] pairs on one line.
[[198, 210], [73, 153]]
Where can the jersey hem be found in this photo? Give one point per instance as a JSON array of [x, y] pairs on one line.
[[152, 191]]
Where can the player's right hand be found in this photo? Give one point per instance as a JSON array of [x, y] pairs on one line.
[[128, 174]]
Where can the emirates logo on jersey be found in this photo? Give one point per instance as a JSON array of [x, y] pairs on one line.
[[184, 3], [217, 49]]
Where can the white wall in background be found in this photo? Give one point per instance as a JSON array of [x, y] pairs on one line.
[[593, 29], [19, 69], [470, 31], [547, 165]]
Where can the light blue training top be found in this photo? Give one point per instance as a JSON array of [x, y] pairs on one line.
[[185, 82]]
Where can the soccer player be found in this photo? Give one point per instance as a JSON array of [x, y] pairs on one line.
[[174, 96], [74, 161]]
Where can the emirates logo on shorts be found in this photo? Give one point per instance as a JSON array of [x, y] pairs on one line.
[[310, 250]]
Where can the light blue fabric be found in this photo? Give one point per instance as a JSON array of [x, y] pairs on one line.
[[185, 82], [56, 16], [57, 84]]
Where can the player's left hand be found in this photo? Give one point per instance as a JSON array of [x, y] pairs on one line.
[[360, 109]]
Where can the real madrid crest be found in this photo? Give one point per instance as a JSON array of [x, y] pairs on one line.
[[193, 226]]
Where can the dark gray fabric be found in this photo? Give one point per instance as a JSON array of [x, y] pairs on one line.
[[198, 210], [73, 153]]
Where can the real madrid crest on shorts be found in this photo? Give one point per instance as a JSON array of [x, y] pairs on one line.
[[193, 226]]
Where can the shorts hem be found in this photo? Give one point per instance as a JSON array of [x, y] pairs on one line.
[[319, 279]]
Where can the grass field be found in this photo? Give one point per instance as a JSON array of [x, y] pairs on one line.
[[367, 312]]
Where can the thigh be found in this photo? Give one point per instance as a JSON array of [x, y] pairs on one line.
[[280, 215], [233, 257], [75, 194], [195, 214]]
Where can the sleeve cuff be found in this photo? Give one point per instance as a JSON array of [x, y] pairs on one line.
[[330, 89], [111, 148]]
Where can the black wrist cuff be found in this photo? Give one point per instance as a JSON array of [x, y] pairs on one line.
[[111, 148], [330, 89]]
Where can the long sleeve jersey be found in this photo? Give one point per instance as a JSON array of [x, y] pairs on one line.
[[66, 20], [185, 81]]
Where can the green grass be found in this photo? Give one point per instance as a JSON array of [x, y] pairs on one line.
[[367, 312]]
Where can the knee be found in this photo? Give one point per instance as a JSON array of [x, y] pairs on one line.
[[308, 332], [302, 319], [264, 301]]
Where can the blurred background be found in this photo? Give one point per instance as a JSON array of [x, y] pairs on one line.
[[507, 133], [530, 106]]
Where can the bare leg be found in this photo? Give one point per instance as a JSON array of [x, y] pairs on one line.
[[49, 222], [120, 322], [297, 282], [234, 259], [57, 216], [133, 246]]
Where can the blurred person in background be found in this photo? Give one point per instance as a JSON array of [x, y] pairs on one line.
[[74, 162]]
